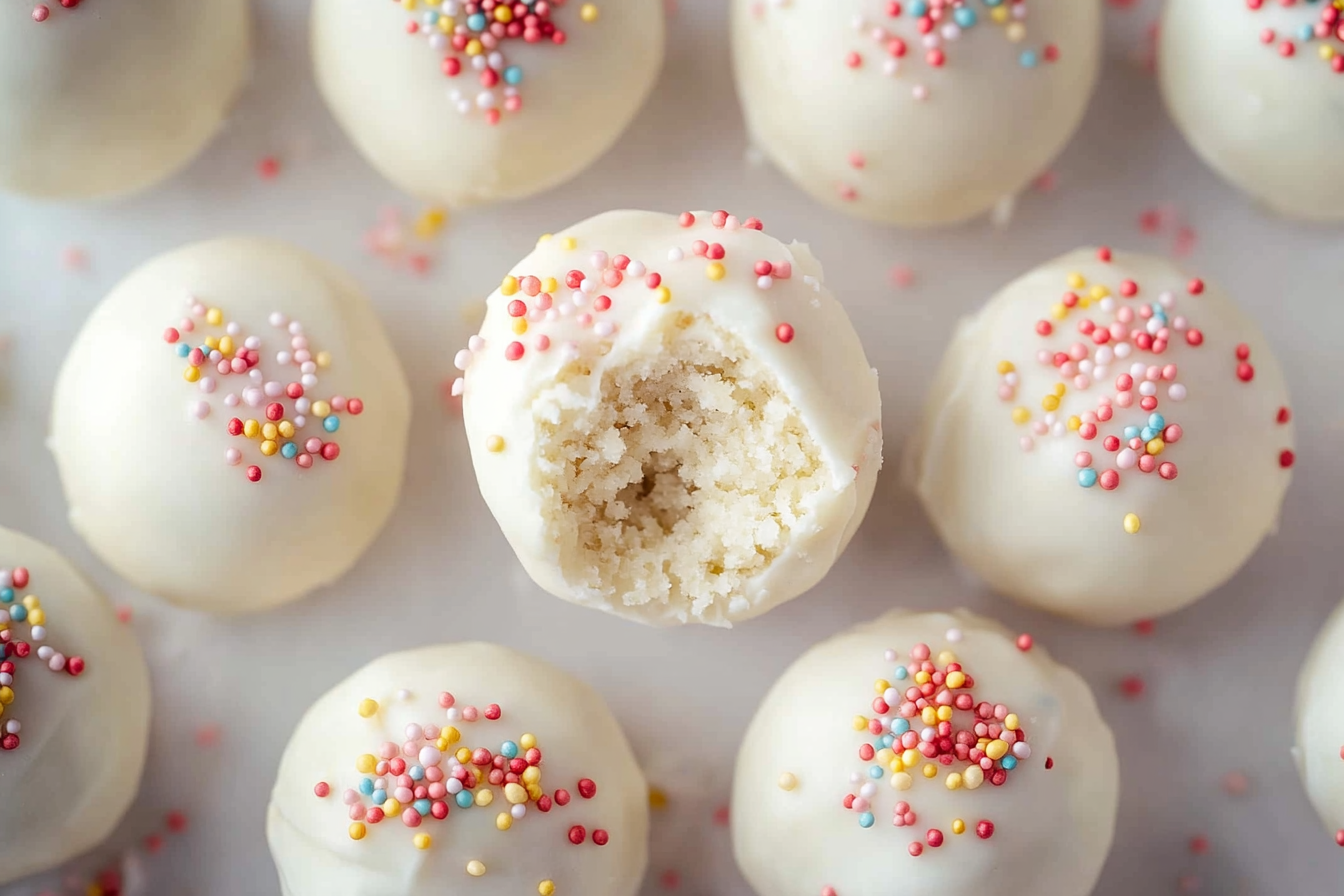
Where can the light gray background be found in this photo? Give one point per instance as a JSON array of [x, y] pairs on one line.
[[1220, 674]]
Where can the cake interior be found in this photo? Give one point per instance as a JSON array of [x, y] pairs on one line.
[[687, 477]]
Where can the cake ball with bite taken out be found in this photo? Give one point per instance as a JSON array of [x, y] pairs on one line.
[[671, 418]]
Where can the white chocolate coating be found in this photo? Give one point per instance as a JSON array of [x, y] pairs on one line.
[[771, 478], [83, 739], [109, 100], [1015, 511], [1052, 827], [1271, 125], [898, 140], [395, 103], [577, 736], [149, 484], [1319, 752]]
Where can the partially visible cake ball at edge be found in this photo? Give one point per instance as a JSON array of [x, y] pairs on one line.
[[71, 668], [1258, 92], [1319, 750], [105, 102], [230, 425], [671, 418], [467, 109], [928, 117], [1096, 429], [451, 724], [841, 785]]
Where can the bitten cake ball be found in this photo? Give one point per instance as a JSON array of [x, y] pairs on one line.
[[230, 426], [1109, 438], [930, 749], [103, 98], [671, 418], [1257, 87], [917, 113], [472, 101], [74, 711], [1320, 725], [462, 768]]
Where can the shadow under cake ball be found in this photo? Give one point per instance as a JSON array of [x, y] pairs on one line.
[[461, 768], [230, 425], [931, 750], [74, 711], [672, 419], [1319, 751], [107, 98], [921, 113], [1257, 88], [1109, 438], [466, 102]]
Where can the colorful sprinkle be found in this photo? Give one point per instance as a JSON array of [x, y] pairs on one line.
[[15, 610], [1324, 30]]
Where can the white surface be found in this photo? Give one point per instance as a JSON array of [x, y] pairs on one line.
[[1320, 728], [1219, 674]]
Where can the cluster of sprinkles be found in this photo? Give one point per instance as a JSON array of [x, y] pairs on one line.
[[14, 611], [42, 11], [470, 38], [432, 772], [1326, 31], [285, 407], [927, 723], [567, 310], [1127, 336]]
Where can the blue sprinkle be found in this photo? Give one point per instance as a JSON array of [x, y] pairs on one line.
[[1008, 763], [964, 16], [7, 595], [18, 612], [919, 8], [421, 806], [1157, 421], [476, 21], [463, 799], [380, 796], [1148, 433], [1306, 32], [866, 820], [1087, 477], [875, 772], [332, 423], [992, 3], [887, 740], [509, 750], [366, 786], [416, 772], [289, 450], [900, 726], [1132, 432], [1027, 59], [183, 349], [901, 673], [513, 75]]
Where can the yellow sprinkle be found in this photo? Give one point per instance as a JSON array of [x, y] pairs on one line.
[[324, 359], [6, 695], [910, 758], [945, 657], [269, 430], [226, 346], [546, 888], [214, 317], [958, 826], [1075, 423], [885, 755], [535, 792], [494, 444], [549, 285], [1060, 389], [422, 841], [788, 781], [392, 807], [509, 286], [1015, 32], [447, 24], [953, 781], [1155, 446], [531, 775], [657, 798], [357, 830], [1077, 280], [1327, 52], [1132, 523], [1006, 367], [251, 429], [503, 13], [485, 797], [588, 12], [408, 5], [476, 868], [1050, 402], [1021, 415], [545, 238], [923, 677], [1100, 292], [944, 713], [366, 763], [973, 777], [859, 723], [269, 447], [664, 295], [715, 271], [996, 749], [999, 14], [519, 323], [37, 617], [527, 741], [1011, 721], [474, 47], [321, 409], [515, 793], [450, 734], [31, 601], [367, 707], [1059, 311], [930, 770], [956, 679], [286, 429], [569, 244], [503, 821], [464, 755], [902, 781], [880, 686], [929, 716], [191, 374]]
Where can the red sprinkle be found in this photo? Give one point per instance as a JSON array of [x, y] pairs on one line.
[[935, 837], [985, 829], [1024, 642], [1132, 686], [268, 167], [577, 834], [1104, 253], [323, 789], [784, 333], [562, 797], [587, 788], [601, 837], [1286, 458], [254, 474]]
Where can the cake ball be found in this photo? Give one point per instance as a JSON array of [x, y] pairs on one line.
[[230, 425], [460, 768], [74, 711], [1319, 752], [1257, 88], [105, 98], [671, 418], [465, 102], [1095, 429], [920, 113], [965, 761]]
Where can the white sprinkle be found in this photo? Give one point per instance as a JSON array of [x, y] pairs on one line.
[[462, 360], [475, 343], [233, 457], [459, 385], [1176, 392], [954, 635]]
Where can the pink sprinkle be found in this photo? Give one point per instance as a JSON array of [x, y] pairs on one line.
[[669, 879], [268, 167], [1045, 182], [124, 614], [207, 735], [1235, 783], [901, 276], [40, 13], [1132, 686]]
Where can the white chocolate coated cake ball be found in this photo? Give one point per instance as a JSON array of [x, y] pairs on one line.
[[921, 112], [1108, 439], [930, 749], [1257, 88], [485, 100], [672, 419], [230, 425], [1320, 725], [74, 711], [462, 768], [105, 98]]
